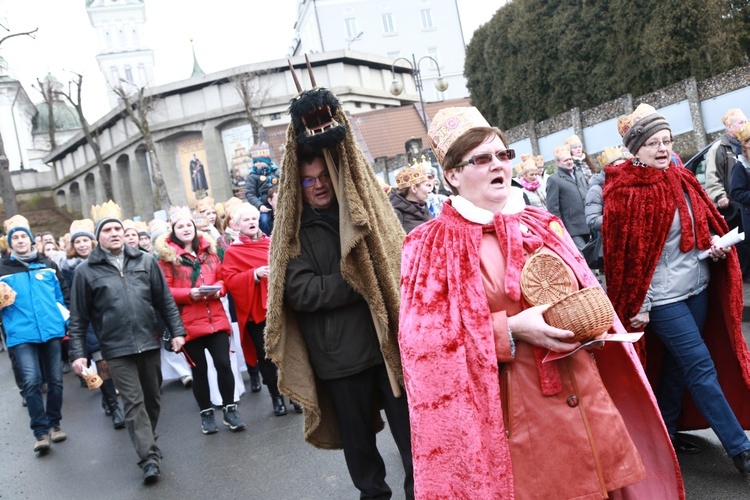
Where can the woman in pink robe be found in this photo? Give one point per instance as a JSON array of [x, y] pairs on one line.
[[489, 419]]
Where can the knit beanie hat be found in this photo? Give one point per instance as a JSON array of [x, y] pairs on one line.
[[82, 227], [17, 223], [640, 125]]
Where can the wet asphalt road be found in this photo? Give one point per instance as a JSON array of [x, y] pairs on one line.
[[267, 461]]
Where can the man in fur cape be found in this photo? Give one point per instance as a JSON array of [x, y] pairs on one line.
[[370, 247]]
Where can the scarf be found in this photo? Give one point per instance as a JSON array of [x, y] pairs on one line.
[[25, 259], [530, 186]]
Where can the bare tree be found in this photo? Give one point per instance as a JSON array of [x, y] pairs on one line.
[[47, 90], [137, 109], [7, 191], [253, 90], [92, 137]]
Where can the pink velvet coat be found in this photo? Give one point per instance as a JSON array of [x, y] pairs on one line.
[[459, 444]]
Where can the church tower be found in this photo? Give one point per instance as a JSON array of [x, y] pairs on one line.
[[122, 54]]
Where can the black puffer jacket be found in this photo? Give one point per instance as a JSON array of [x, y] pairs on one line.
[[120, 305], [335, 320], [409, 214]]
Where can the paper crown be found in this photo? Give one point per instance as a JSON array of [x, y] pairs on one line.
[[220, 210], [261, 150], [83, 227], [627, 121], [449, 124], [231, 205], [157, 227], [743, 133], [561, 151], [179, 213], [527, 165], [17, 222], [128, 224], [108, 210], [730, 116], [141, 227], [539, 161], [525, 157], [200, 221], [610, 155], [410, 176], [573, 140], [204, 204]]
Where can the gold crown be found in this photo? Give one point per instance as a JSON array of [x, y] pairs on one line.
[[141, 226], [743, 133], [539, 161], [561, 150], [730, 115], [204, 204], [573, 140], [128, 224], [231, 205], [449, 124], [525, 157], [200, 220], [410, 176], [82, 226], [158, 225], [261, 150], [527, 165], [627, 121], [108, 210], [220, 211], [16, 221], [610, 155], [178, 213]]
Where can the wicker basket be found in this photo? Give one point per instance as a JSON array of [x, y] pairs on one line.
[[545, 279], [587, 313]]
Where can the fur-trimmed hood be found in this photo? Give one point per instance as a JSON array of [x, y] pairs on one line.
[[168, 251]]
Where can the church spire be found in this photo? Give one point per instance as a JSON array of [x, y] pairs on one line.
[[197, 70]]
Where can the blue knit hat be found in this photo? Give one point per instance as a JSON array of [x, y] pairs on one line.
[[17, 223]]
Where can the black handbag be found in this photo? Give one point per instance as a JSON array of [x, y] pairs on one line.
[[593, 254]]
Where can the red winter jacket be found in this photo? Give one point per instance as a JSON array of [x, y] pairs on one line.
[[205, 316]]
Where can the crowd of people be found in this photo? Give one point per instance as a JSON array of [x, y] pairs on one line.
[[344, 300]]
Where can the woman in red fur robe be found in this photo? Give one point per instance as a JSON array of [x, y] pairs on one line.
[[657, 220], [489, 419]]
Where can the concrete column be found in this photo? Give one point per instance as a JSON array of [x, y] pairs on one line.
[[699, 131], [218, 171]]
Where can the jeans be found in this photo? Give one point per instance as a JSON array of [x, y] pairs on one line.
[[264, 223], [688, 364], [39, 363], [138, 378]]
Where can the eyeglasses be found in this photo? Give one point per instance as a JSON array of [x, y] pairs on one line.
[[485, 158], [309, 182], [656, 144]]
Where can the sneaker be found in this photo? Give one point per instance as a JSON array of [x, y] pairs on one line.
[[208, 424], [150, 473], [57, 435], [187, 381], [232, 418], [41, 445]]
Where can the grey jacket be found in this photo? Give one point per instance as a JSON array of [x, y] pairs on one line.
[[334, 319], [678, 275], [120, 305], [594, 204], [565, 199]]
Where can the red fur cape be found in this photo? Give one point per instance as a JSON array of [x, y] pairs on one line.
[[639, 207], [250, 298], [459, 446]]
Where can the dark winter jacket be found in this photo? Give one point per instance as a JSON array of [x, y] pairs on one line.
[[68, 269], [335, 320], [258, 182], [34, 317], [740, 189], [121, 304], [409, 214]]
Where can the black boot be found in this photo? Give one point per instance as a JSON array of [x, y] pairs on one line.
[[279, 408], [109, 395], [254, 373]]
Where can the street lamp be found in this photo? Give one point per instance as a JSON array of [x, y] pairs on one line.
[[397, 86]]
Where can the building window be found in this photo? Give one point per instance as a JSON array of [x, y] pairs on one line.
[[108, 39], [351, 27], [135, 38], [388, 24], [426, 18], [129, 74], [357, 104], [123, 43], [142, 74], [115, 76], [275, 116], [439, 96], [433, 52], [373, 106]]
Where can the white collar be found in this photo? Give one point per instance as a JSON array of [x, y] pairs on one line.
[[473, 213]]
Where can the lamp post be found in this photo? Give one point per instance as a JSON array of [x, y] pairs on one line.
[[397, 87], [441, 84]]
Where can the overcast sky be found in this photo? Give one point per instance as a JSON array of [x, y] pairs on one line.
[[226, 33]]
